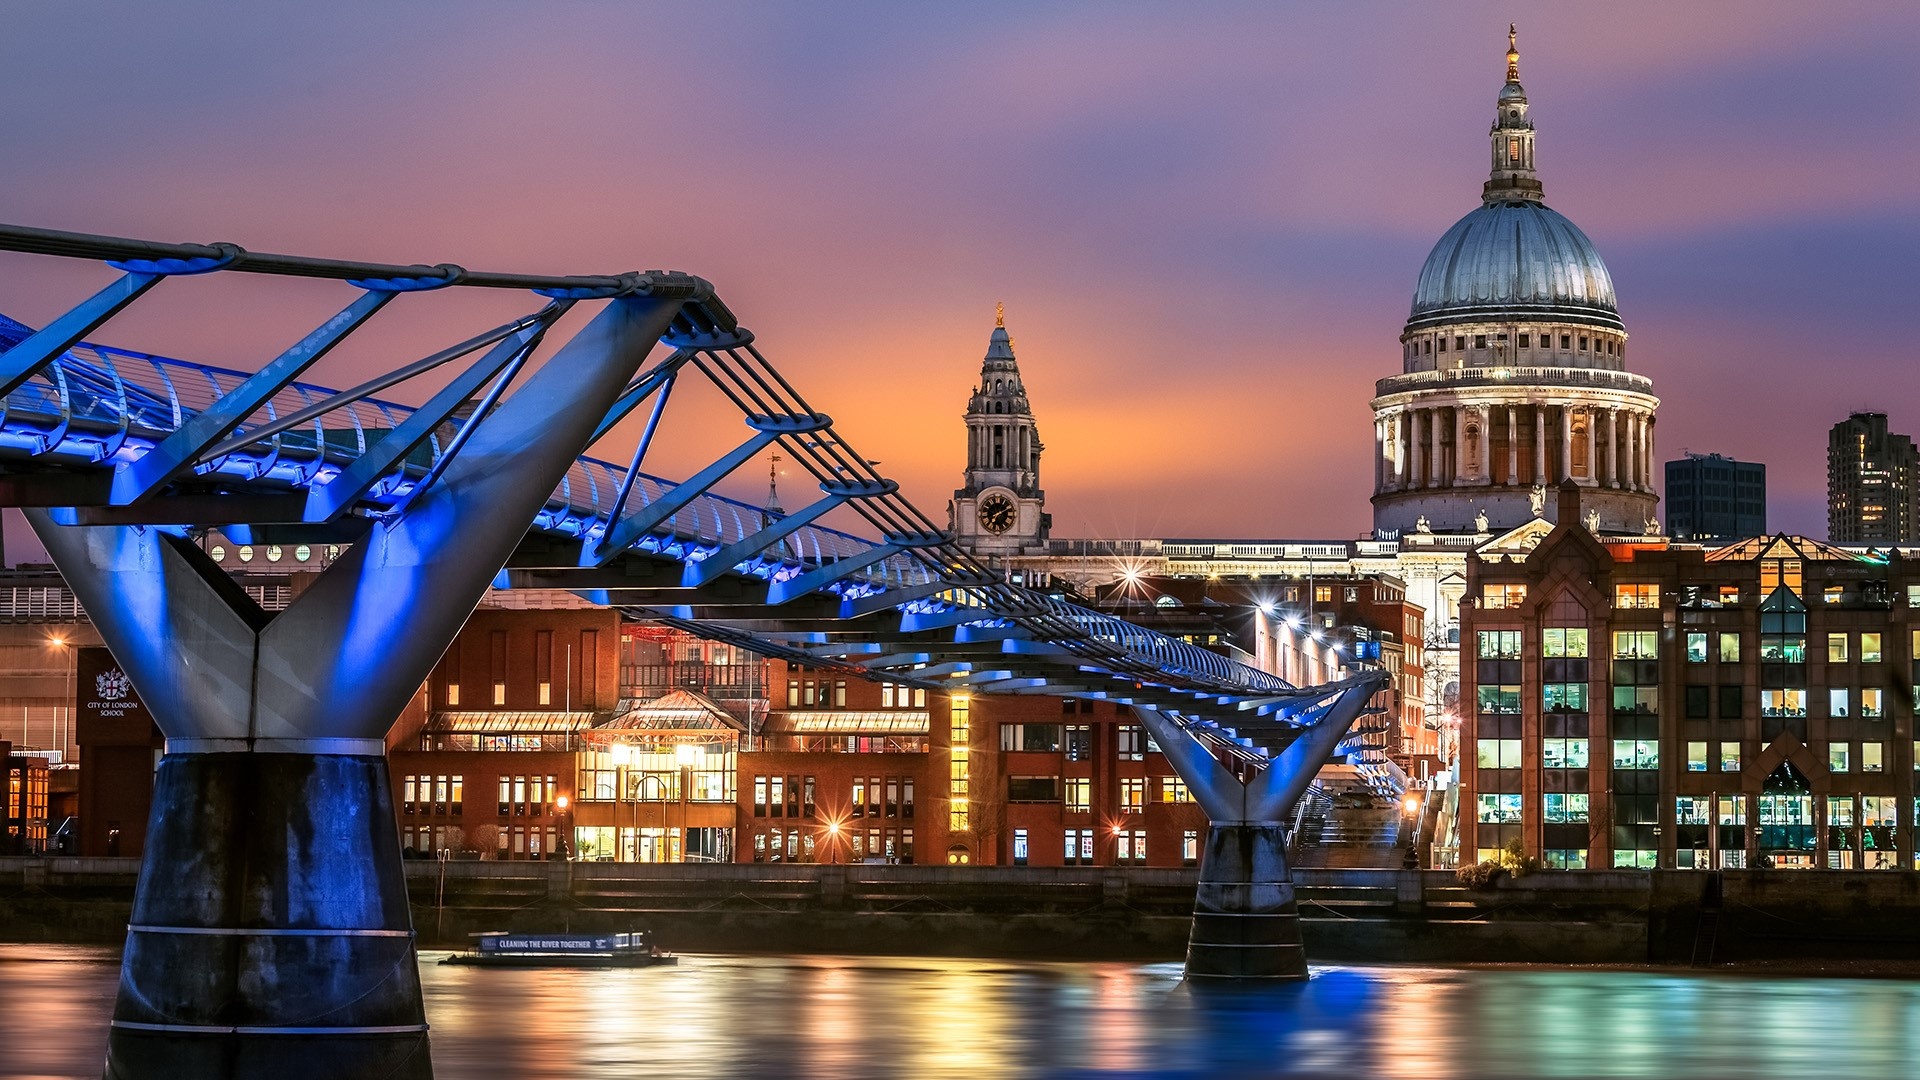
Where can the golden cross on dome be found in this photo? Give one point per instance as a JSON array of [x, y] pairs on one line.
[[1513, 53]]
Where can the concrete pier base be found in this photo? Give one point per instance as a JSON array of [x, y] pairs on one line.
[[270, 934], [1246, 927]]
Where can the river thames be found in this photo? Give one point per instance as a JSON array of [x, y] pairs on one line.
[[835, 1016]]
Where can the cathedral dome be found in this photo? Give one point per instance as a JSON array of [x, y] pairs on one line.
[[1514, 259]]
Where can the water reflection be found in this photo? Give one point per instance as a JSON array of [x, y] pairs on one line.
[[835, 1017]]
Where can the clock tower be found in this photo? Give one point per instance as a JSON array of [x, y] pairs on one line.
[[1001, 509]]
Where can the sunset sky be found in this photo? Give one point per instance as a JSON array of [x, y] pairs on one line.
[[1205, 220]]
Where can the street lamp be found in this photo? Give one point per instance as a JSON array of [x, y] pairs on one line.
[[66, 682], [561, 803], [686, 754]]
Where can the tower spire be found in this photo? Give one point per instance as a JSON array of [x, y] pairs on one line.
[[1512, 178]]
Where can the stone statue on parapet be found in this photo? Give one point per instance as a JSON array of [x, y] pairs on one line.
[[1538, 497], [1593, 522]]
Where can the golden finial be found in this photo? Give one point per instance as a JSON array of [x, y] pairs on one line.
[[1000, 314], [1513, 53]]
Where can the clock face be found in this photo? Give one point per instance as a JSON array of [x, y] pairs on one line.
[[996, 513]]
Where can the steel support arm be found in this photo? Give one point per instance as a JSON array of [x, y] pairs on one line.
[[837, 494], [178, 452], [20, 363]]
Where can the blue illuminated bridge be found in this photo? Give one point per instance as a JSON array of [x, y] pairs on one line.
[[271, 911]]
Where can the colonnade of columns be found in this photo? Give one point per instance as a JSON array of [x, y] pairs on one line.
[[1016, 442], [1518, 444]]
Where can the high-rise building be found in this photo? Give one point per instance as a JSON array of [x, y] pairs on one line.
[[1000, 509], [1514, 372], [1715, 499], [1873, 483]]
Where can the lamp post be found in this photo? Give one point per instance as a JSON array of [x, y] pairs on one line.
[[561, 804], [66, 683], [686, 754]]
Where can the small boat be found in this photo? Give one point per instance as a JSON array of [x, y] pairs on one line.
[[501, 949]]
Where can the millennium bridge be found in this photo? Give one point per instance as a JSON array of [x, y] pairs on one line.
[[271, 931]]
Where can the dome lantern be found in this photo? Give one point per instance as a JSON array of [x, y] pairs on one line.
[[1513, 177]]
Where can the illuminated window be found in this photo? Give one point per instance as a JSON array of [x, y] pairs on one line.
[[1730, 757], [1872, 702], [1498, 753], [219, 553], [1131, 742], [1636, 644], [499, 693], [1729, 647], [1133, 795], [1838, 757], [1636, 596], [1869, 647], [1775, 573], [1636, 753], [960, 716], [1696, 757], [453, 693], [1837, 702], [1495, 597], [1783, 703], [1729, 596], [1565, 809], [1513, 151], [1696, 648], [1499, 809], [1079, 796], [1836, 648], [1558, 753], [1189, 847], [546, 693], [1872, 757], [1173, 789]]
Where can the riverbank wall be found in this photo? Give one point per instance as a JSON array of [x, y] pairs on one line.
[[1664, 917]]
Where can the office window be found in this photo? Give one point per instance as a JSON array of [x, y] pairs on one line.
[[1730, 757], [1033, 789], [1783, 703], [1838, 758], [1565, 809], [1133, 795], [1079, 742], [1636, 753], [1869, 647], [1498, 753], [1872, 757], [499, 693], [1566, 858], [1833, 594], [1563, 642], [1131, 742], [1032, 738], [1498, 644], [1174, 790], [1697, 700], [859, 796], [1189, 847], [1557, 753], [453, 693], [1837, 701], [1872, 702], [1132, 845], [1696, 757], [1079, 791], [1730, 696], [1499, 809], [1836, 648], [1019, 847], [1696, 648], [1729, 647], [1636, 596], [1636, 644], [1494, 597]]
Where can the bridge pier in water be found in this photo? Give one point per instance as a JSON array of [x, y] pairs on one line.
[[1246, 926], [271, 933]]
